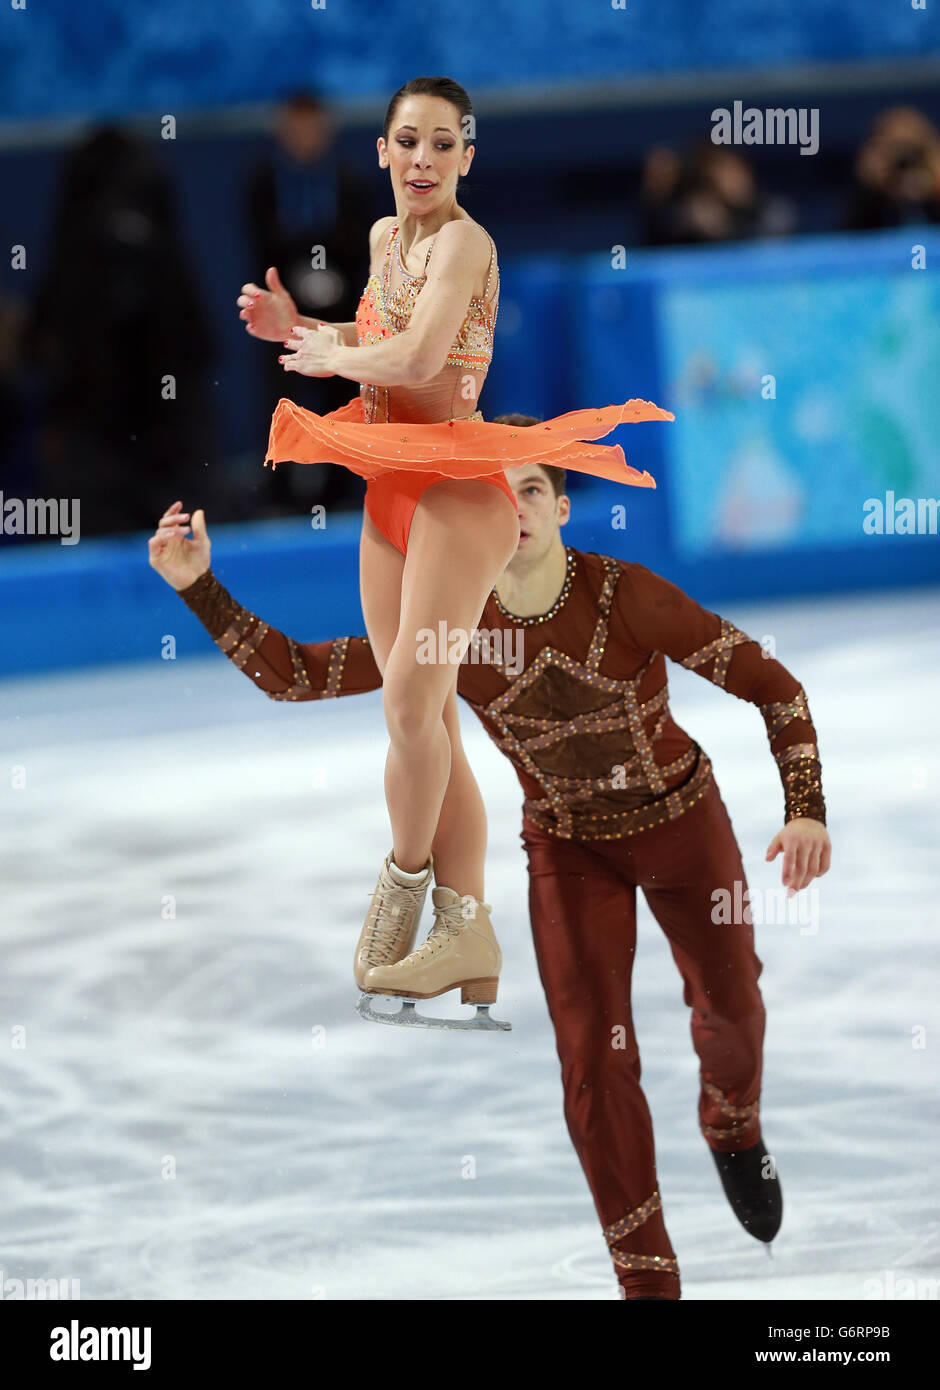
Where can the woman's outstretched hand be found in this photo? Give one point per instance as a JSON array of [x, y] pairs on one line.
[[311, 349], [177, 560], [269, 314]]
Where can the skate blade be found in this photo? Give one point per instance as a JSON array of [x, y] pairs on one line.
[[408, 1017]]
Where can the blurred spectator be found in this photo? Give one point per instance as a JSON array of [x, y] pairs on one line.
[[15, 478], [897, 172], [300, 198], [709, 195], [116, 313]]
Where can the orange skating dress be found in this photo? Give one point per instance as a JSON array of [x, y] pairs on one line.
[[401, 439]]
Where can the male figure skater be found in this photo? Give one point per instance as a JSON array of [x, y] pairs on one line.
[[617, 797]]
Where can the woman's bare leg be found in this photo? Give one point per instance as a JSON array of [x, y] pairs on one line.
[[460, 839], [380, 572], [463, 535]]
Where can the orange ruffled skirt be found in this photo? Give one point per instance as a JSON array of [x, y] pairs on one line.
[[458, 448]]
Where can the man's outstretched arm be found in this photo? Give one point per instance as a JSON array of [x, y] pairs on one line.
[[275, 663], [282, 668], [662, 617]]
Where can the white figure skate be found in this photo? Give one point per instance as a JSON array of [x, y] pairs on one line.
[[461, 952], [391, 924]]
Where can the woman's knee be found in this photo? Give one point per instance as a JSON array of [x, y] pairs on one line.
[[412, 703]]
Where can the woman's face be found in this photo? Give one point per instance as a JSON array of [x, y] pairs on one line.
[[425, 154]]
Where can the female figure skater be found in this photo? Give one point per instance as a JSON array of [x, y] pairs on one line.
[[440, 521]]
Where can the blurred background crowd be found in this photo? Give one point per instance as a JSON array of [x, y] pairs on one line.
[[121, 290], [155, 157]]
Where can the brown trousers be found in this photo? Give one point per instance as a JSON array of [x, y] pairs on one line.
[[582, 900]]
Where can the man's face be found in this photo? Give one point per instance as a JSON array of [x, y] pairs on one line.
[[540, 512]]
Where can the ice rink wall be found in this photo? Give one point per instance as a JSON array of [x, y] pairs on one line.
[[803, 377]]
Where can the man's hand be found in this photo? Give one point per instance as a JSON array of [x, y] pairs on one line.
[[806, 849], [177, 560], [270, 313]]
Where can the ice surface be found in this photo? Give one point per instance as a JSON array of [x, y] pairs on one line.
[[318, 1156]]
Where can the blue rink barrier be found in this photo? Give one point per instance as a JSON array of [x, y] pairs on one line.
[[100, 602], [759, 494]]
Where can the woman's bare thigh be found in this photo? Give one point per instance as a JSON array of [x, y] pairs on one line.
[[462, 537], [463, 534], [380, 577]]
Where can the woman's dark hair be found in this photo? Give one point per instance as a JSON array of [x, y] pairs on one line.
[[443, 87], [555, 475]]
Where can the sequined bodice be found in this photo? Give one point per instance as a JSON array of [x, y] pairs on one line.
[[385, 308]]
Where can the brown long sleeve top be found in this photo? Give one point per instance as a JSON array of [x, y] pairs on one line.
[[577, 698]]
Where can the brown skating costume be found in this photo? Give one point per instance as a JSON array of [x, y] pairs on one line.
[[617, 796]]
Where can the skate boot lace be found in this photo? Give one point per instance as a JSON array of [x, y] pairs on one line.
[[448, 922], [389, 918]]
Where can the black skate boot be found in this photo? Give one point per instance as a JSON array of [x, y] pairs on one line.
[[756, 1201]]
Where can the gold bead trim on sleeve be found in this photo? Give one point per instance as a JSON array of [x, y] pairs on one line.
[[301, 688], [334, 675], [778, 714], [720, 650], [801, 774], [301, 683], [240, 641], [799, 765], [796, 750]]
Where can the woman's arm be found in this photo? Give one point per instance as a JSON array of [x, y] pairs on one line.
[[460, 261], [271, 314], [348, 330]]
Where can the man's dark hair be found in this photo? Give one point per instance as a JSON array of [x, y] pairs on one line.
[[556, 476]]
